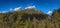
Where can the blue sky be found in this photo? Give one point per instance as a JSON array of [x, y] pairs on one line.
[[43, 5]]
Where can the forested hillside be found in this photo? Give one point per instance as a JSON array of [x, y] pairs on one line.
[[30, 18]]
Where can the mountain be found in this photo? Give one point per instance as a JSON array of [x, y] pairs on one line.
[[29, 18], [32, 11]]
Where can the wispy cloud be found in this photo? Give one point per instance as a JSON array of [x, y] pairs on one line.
[[18, 8], [29, 7]]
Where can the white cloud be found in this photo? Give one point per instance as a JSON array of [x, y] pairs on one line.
[[49, 12], [30, 7], [18, 8]]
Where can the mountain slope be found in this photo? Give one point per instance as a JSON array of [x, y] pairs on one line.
[[29, 18]]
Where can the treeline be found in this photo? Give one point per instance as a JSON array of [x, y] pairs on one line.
[[30, 18]]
